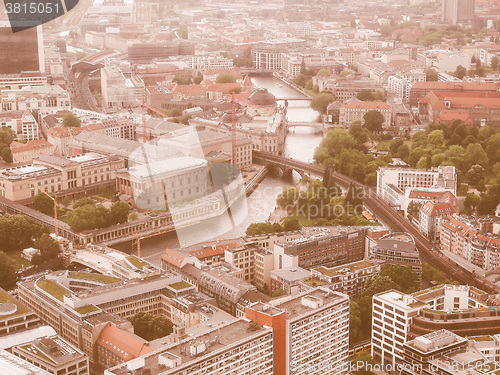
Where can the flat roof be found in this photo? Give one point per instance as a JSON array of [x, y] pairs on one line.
[[293, 305], [220, 338]]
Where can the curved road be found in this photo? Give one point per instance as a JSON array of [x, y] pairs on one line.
[[389, 216]]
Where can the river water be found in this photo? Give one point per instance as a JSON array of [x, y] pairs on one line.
[[299, 145]]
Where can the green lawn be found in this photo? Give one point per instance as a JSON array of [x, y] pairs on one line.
[[86, 309], [54, 289], [20, 261], [94, 277], [136, 262], [180, 285], [7, 298]]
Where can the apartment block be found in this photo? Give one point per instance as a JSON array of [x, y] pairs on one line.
[[467, 240], [235, 348], [47, 99], [311, 331], [288, 279], [430, 215]]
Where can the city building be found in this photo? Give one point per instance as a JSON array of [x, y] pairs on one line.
[[146, 52], [345, 88], [420, 89], [188, 143], [234, 348], [121, 88], [26, 152], [163, 183], [26, 52], [242, 257], [55, 174], [392, 182], [398, 317], [481, 108], [328, 246], [470, 242], [15, 365], [310, 331], [355, 111], [430, 215], [47, 99], [401, 84], [348, 278], [443, 352], [398, 249], [288, 279], [53, 355], [457, 11]]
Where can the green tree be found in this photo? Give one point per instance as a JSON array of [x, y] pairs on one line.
[[291, 223], [8, 275], [359, 133], [495, 60], [474, 154], [43, 203], [403, 152], [403, 276], [461, 72], [225, 78], [431, 74], [373, 121], [324, 73], [355, 332], [377, 284], [182, 80], [475, 174], [151, 327], [119, 212], [365, 95], [49, 248], [320, 102], [279, 293], [394, 146], [436, 138], [17, 232], [431, 274], [70, 120], [300, 80], [487, 204], [413, 210]]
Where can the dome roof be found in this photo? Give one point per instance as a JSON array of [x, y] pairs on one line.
[[262, 97]]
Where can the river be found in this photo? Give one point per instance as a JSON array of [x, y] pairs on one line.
[[299, 145]]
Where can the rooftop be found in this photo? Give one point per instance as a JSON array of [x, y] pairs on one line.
[[94, 277], [295, 306], [351, 267], [53, 350]]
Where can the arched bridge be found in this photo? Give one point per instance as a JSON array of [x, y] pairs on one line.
[[386, 214]]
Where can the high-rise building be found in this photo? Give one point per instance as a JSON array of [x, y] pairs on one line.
[[25, 49], [457, 11], [310, 332]]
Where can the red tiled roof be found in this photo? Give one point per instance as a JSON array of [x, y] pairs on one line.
[[31, 145], [438, 209], [123, 343], [223, 87], [459, 86], [189, 89]]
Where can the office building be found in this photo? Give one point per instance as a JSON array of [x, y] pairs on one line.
[[392, 182], [328, 246], [25, 49], [356, 110], [236, 348], [398, 317], [53, 355], [398, 249], [457, 11]]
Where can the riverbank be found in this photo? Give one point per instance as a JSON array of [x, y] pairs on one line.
[[279, 214]]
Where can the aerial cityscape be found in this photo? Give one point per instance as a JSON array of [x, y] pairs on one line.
[[282, 187]]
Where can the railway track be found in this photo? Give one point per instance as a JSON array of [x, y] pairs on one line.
[[390, 217]]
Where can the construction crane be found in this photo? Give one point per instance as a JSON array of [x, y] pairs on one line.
[[233, 127], [55, 212]]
